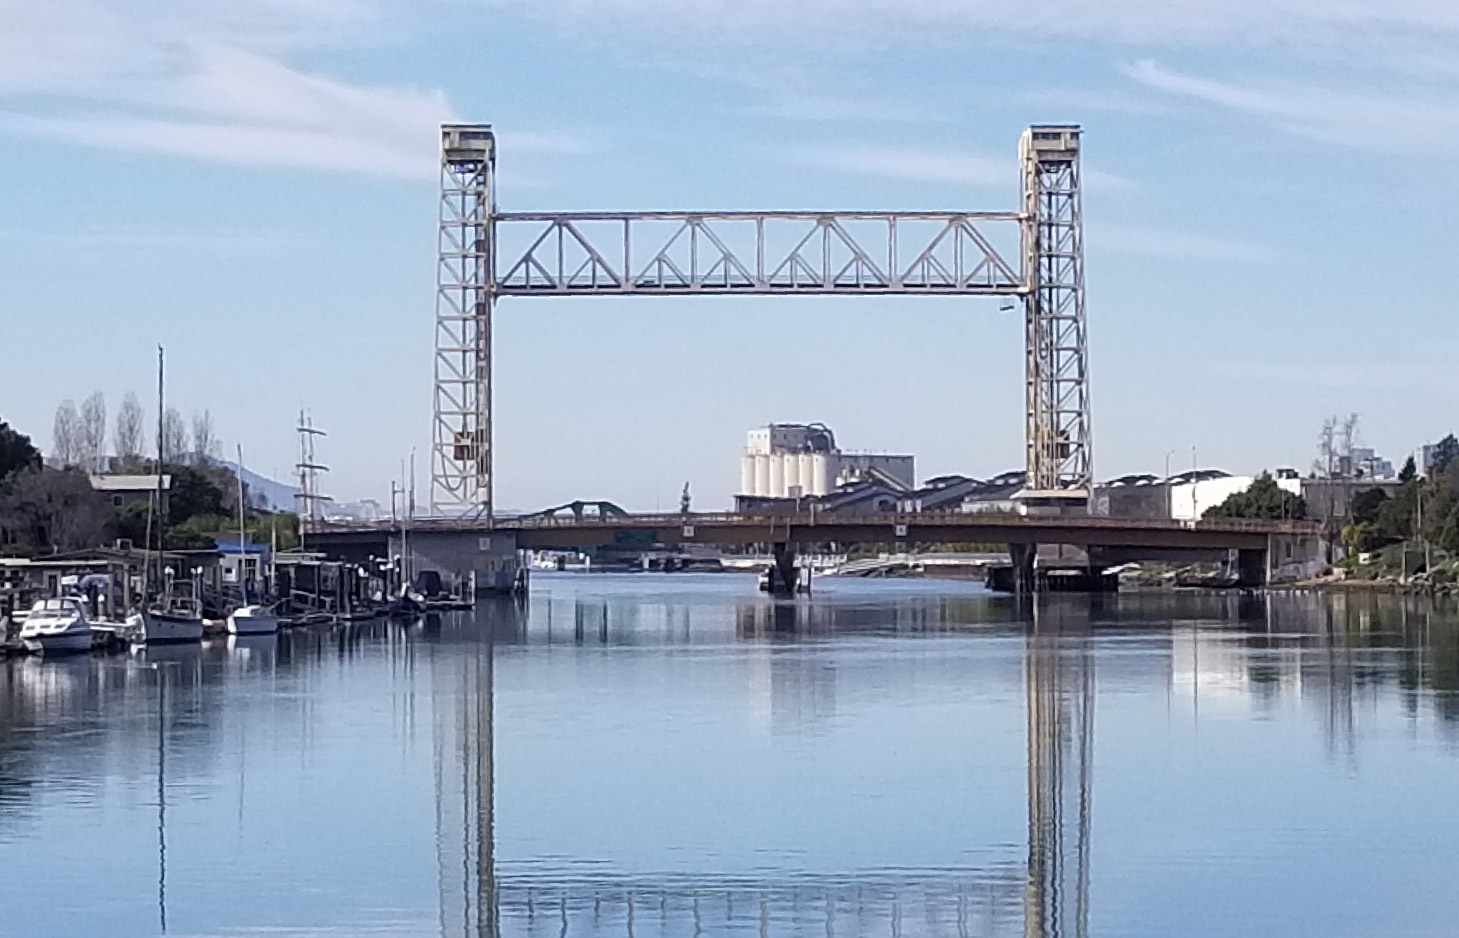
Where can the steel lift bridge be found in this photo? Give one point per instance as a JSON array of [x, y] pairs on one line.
[[762, 253]]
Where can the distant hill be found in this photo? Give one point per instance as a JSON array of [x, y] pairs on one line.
[[265, 492]]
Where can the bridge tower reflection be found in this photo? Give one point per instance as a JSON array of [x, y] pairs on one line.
[[1059, 685], [463, 742], [1053, 886]]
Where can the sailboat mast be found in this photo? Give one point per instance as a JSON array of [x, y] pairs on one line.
[[161, 504], [242, 532]]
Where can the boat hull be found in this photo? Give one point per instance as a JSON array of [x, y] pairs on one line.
[[163, 629], [71, 641], [252, 624]]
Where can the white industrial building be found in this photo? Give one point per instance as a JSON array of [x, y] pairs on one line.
[[1193, 494], [793, 460]]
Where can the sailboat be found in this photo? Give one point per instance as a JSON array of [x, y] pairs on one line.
[[248, 619], [176, 616], [177, 613]]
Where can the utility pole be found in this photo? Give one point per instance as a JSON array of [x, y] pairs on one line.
[[1419, 527], [1195, 474]]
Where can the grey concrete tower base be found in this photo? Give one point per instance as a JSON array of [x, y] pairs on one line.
[[471, 563]]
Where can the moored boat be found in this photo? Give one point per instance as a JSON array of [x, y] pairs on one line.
[[253, 620], [56, 626], [176, 617]]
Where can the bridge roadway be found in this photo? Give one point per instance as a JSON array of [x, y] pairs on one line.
[[726, 529], [484, 551]]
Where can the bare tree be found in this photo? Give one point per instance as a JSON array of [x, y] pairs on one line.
[[66, 435], [93, 432], [1336, 468], [130, 435], [206, 447], [1326, 449], [1349, 436], [174, 435]]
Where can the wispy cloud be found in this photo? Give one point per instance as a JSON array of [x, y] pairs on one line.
[[233, 106], [910, 164], [930, 165], [827, 108], [211, 82], [171, 241], [1165, 244], [1392, 120], [1196, 22]]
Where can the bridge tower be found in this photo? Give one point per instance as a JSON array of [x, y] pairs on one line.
[[1057, 433], [706, 253], [461, 481]]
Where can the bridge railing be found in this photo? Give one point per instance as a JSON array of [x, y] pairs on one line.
[[773, 523], [917, 519]]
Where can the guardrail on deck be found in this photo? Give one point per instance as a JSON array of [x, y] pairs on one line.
[[818, 519]]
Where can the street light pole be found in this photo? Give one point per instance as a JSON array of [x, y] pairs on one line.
[[1195, 473]]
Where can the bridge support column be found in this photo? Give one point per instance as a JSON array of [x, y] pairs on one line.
[[784, 576], [470, 564], [1025, 577], [1251, 568]]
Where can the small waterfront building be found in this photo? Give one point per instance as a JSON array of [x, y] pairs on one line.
[[242, 566], [23, 580], [125, 490]]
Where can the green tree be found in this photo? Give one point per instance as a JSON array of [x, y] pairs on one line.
[[1361, 537], [1445, 452], [132, 524], [1264, 499], [1409, 472], [16, 452], [1395, 515], [1441, 506], [1367, 504], [192, 493]]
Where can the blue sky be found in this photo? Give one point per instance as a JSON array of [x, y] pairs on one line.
[[253, 184]]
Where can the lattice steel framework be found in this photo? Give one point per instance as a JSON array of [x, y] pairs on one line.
[[1057, 433], [758, 252], [461, 445], [774, 253]]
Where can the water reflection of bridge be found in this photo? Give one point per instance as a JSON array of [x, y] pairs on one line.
[[1045, 897], [1336, 661]]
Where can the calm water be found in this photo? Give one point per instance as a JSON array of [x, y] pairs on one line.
[[678, 756]]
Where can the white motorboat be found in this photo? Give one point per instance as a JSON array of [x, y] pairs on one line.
[[57, 625], [253, 620], [176, 617]]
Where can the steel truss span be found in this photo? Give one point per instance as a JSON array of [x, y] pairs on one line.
[[678, 253], [485, 254]]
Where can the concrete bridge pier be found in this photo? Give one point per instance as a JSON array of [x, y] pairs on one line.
[[1251, 568], [1025, 576], [784, 576], [472, 564]]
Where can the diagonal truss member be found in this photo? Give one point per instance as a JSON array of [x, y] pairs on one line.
[[485, 254]]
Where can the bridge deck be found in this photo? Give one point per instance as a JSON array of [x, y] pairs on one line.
[[538, 532]]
